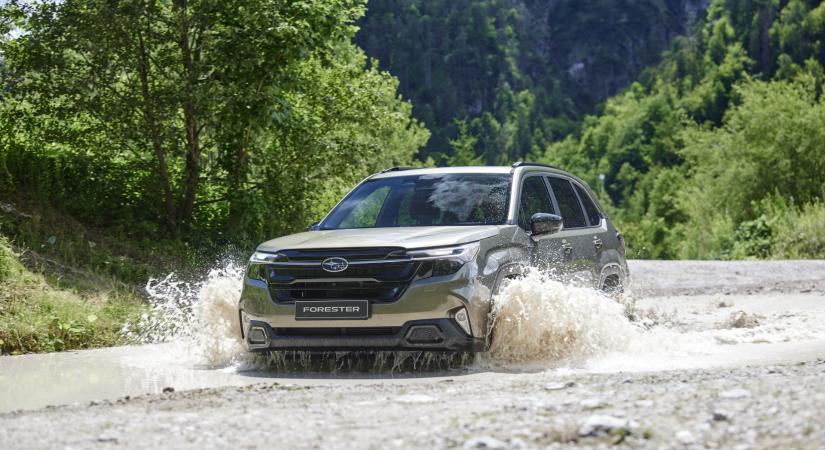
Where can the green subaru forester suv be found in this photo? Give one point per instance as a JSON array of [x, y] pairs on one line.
[[411, 259]]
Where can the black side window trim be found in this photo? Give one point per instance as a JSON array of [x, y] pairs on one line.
[[581, 204]]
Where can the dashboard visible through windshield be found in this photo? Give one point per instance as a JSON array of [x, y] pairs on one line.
[[424, 200]]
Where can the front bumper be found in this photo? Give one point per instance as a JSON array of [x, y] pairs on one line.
[[427, 306], [431, 335]]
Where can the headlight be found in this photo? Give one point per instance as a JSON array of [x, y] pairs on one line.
[[258, 260], [263, 258], [444, 260]]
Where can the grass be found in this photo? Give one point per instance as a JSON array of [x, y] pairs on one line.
[[78, 253], [64, 286], [37, 317], [67, 285]]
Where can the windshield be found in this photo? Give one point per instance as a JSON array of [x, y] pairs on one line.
[[424, 200]]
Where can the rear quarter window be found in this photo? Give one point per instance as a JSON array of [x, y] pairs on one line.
[[569, 207], [593, 214]]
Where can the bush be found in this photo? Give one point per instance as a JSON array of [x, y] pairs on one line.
[[782, 230], [801, 233]]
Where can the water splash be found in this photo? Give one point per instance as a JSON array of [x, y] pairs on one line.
[[538, 323], [539, 320], [200, 317], [364, 362]]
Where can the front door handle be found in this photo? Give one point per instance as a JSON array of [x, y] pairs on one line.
[[597, 242]]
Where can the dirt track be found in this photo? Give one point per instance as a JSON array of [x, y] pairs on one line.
[[729, 355]]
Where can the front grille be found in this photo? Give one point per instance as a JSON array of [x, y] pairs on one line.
[[352, 290], [373, 279], [356, 331], [384, 271], [351, 254]]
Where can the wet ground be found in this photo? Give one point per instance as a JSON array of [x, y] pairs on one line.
[[717, 355]]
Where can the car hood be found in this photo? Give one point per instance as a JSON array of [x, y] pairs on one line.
[[406, 237]]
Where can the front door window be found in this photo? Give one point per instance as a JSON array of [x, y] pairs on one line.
[[534, 199]]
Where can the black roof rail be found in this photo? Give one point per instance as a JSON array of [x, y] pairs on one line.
[[523, 163], [396, 169]]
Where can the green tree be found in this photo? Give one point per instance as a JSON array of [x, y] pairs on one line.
[[464, 152], [770, 145], [186, 113]]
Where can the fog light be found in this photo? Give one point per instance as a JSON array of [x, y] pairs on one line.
[[463, 320], [424, 334], [257, 335]]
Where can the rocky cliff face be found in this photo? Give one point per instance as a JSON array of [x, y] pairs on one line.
[[598, 48], [462, 58]]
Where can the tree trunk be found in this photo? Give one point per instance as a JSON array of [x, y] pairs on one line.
[[157, 139], [190, 117], [765, 51]]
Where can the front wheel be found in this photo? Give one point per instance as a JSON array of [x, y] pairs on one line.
[[612, 286]]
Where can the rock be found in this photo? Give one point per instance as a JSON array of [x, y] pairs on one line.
[[168, 389], [107, 438], [735, 394], [741, 319], [591, 403], [599, 424], [721, 416], [558, 386], [415, 398], [483, 442], [685, 437]]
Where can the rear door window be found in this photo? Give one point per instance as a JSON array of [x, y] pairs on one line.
[[534, 199], [593, 215], [569, 206]]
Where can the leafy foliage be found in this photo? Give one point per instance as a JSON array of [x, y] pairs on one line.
[[198, 118], [731, 118]]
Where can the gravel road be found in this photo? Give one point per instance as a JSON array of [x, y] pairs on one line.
[[720, 355]]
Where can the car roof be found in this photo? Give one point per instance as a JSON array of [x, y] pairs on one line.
[[400, 172], [413, 171]]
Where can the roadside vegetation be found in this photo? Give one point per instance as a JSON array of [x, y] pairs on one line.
[[41, 315]]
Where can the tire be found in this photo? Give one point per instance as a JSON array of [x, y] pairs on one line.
[[612, 285]]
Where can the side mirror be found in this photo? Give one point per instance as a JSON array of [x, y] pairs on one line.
[[543, 223], [313, 226]]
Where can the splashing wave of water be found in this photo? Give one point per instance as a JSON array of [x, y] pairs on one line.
[[202, 317], [539, 323], [538, 320]]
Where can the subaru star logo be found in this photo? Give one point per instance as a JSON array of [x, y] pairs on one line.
[[335, 264]]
